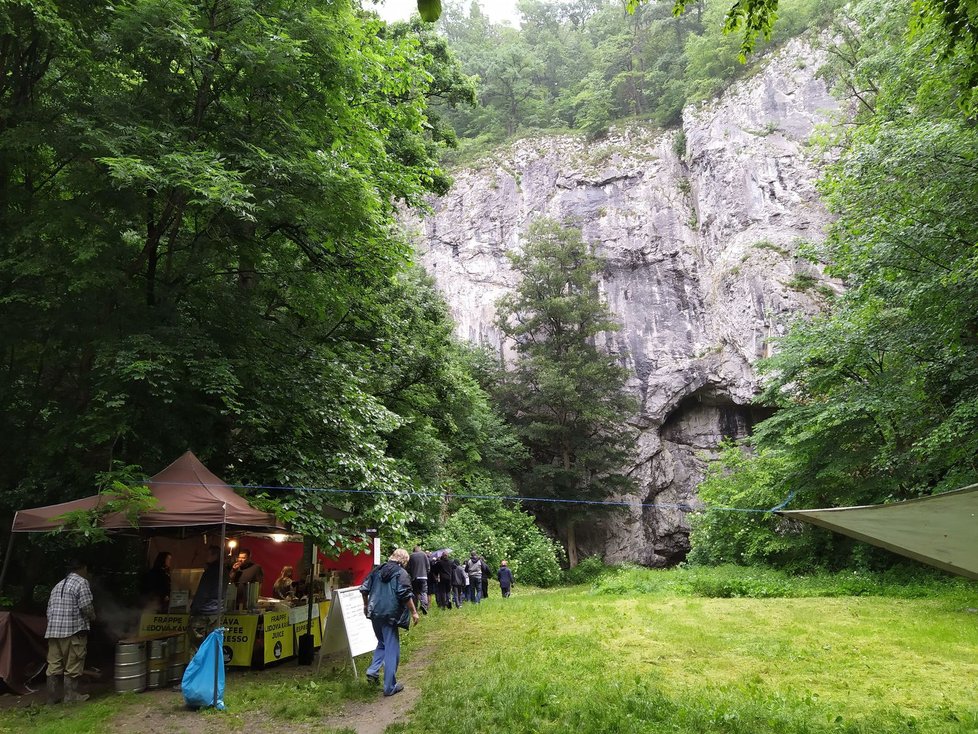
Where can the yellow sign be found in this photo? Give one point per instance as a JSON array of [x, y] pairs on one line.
[[279, 640], [239, 638], [300, 620], [151, 623]]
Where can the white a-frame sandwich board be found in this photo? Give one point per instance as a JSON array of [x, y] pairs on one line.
[[346, 628]]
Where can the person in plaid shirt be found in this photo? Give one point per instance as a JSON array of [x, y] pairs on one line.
[[70, 609]]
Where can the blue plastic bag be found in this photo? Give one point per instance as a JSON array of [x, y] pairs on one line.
[[198, 678]]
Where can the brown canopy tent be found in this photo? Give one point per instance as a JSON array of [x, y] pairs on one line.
[[940, 530], [188, 494]]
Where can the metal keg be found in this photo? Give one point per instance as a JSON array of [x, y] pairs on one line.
[[130, 667], [156, 669], [174, 672], [178, 649]]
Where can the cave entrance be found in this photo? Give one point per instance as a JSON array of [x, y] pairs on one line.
[[708, 416]]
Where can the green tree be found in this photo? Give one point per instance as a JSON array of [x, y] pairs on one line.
[[949, 25], [198, 249], [565, 394], [878, 398]]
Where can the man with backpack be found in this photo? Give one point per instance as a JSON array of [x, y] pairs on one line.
[[387, 601]]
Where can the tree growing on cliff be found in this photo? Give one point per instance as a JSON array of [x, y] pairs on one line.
[[564, 394]]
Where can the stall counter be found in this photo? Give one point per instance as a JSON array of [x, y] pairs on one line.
[[250, 638]]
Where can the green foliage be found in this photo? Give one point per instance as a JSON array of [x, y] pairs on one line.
[[500, 533], [564, 395], [950, 26], [877, 397], [583, 66], [729, 581], [118, 494], [744, 479], [198, 249], [679, 144], [429, 10], [588, 571]]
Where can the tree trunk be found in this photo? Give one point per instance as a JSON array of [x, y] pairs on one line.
[[571, 544]]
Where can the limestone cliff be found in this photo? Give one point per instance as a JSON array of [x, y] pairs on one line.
[[700, 229]]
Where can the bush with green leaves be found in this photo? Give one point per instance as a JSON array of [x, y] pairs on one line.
[[730, 581], [501, 533], [587, 571], [743, 480]]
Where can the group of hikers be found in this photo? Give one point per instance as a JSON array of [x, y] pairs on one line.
[[390, 591], [451, 582]]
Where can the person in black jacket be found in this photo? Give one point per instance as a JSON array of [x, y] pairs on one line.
[[486, 573], [458, 584], [505, 579], [154, 586], [444, 589], [387, 599], [418, 568]]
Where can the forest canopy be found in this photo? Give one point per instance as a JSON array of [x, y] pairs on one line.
[[583, 65], [199, 249]]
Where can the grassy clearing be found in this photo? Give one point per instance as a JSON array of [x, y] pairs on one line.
[[292, 699], [656, 661], [637, 651]]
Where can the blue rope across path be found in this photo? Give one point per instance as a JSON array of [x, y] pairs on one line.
[[513, 498]]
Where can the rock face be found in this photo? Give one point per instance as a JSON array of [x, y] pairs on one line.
[[700, 229]]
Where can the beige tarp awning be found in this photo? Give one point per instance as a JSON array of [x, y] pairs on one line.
[[941, 530], [188, 494]]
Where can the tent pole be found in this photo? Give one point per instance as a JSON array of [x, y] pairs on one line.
[[6, 561], [221, 586]]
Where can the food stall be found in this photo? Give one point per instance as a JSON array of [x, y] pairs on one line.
[[265, 629], [196, 509]]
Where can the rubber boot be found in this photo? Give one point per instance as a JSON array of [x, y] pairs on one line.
[[71, 691], [55, 693]]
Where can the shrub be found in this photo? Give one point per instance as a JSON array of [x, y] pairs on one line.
[[501, 533], [731, 581], [587, 571], [679, 144]]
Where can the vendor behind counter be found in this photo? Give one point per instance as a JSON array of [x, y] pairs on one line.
[[244, 572]]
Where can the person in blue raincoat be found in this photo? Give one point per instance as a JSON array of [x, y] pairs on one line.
[[388, 602]]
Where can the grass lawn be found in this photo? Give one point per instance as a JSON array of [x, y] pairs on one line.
[[572, 660]]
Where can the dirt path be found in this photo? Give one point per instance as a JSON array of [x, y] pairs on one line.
[[373, 717], [163, 711]]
